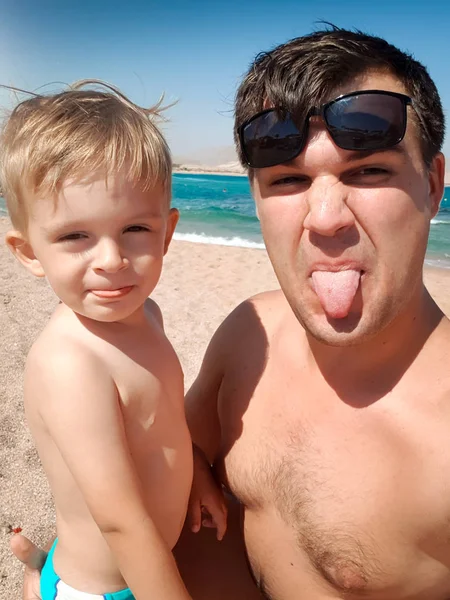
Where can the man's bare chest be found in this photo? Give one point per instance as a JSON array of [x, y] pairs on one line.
[[364, 491]]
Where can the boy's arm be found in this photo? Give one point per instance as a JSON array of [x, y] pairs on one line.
[[79, 404], [207, 504]]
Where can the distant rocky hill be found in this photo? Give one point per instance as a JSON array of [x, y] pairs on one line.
[[233, 167], [218, 155]]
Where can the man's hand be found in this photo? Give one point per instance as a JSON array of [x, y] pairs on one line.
[[207, 504], [33, 558]]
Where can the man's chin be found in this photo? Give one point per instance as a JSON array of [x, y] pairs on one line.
[[348, 331]]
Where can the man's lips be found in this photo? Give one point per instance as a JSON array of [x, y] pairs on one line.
[[334, 267], [117, 293]]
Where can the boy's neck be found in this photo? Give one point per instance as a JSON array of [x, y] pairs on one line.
[[134, 321]]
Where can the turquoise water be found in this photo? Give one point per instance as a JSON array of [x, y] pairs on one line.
[[218, 209]]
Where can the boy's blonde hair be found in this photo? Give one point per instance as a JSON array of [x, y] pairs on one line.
[[49, 139]]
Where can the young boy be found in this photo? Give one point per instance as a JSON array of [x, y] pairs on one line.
[[87, 179]]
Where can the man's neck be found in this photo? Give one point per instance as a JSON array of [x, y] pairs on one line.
[[365, 372]]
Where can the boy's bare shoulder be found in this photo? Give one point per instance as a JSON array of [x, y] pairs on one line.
[[153, 312], [61, 350], [62, 366]]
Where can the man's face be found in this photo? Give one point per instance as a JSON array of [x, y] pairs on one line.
[[347, 234]]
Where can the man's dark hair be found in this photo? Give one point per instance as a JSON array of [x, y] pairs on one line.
[[306, 71]]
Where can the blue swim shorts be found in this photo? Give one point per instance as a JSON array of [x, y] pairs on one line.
[[52, 588]]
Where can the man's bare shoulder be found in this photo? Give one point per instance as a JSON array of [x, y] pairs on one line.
[[269, 296], [433, 360], [270, 300], [250, 324], [445, 327], [262, 310], [267, 307]]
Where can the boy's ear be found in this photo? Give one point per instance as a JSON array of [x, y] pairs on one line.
[[22, 250], [172, 221]]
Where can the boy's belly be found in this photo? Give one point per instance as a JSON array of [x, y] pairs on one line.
[[82, 558], [161, 447], [166, 477]]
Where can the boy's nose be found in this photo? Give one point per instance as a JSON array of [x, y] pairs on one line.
[[109, 257]]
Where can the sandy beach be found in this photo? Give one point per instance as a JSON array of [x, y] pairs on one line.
[[200, 285]]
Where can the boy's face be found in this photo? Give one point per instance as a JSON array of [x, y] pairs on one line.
[[100, 245]]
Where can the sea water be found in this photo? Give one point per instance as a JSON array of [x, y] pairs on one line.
[[219, 209]]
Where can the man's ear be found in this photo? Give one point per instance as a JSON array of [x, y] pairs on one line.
[[251, 176], [436, 179], [172, 221], [22, 250]]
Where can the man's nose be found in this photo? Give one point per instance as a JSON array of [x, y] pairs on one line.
[[109, 257], [328, 211]]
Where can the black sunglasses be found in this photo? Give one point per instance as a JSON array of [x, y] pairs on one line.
[[366, 120]]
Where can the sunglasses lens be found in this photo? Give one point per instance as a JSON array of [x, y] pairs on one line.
[[366, 121], [270, 140]]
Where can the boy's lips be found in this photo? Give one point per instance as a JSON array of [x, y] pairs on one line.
[[117, 293]]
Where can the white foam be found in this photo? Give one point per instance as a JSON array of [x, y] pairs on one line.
[[439, 221], [201, 238], [438, 263]]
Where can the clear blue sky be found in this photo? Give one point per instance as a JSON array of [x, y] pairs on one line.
[[195, 50]]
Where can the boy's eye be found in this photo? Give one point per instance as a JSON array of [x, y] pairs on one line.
[[136, 228], [72, 236]]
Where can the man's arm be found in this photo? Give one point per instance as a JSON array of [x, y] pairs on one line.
[[79, 404], [202, 398], [33, 559]]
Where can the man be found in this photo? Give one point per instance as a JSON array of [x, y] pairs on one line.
[[325, 407]]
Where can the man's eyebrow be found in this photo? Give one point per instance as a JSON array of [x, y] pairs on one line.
[[353, 155], [361, 154]]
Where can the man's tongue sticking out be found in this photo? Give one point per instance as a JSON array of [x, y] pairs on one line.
[[336, 291]]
